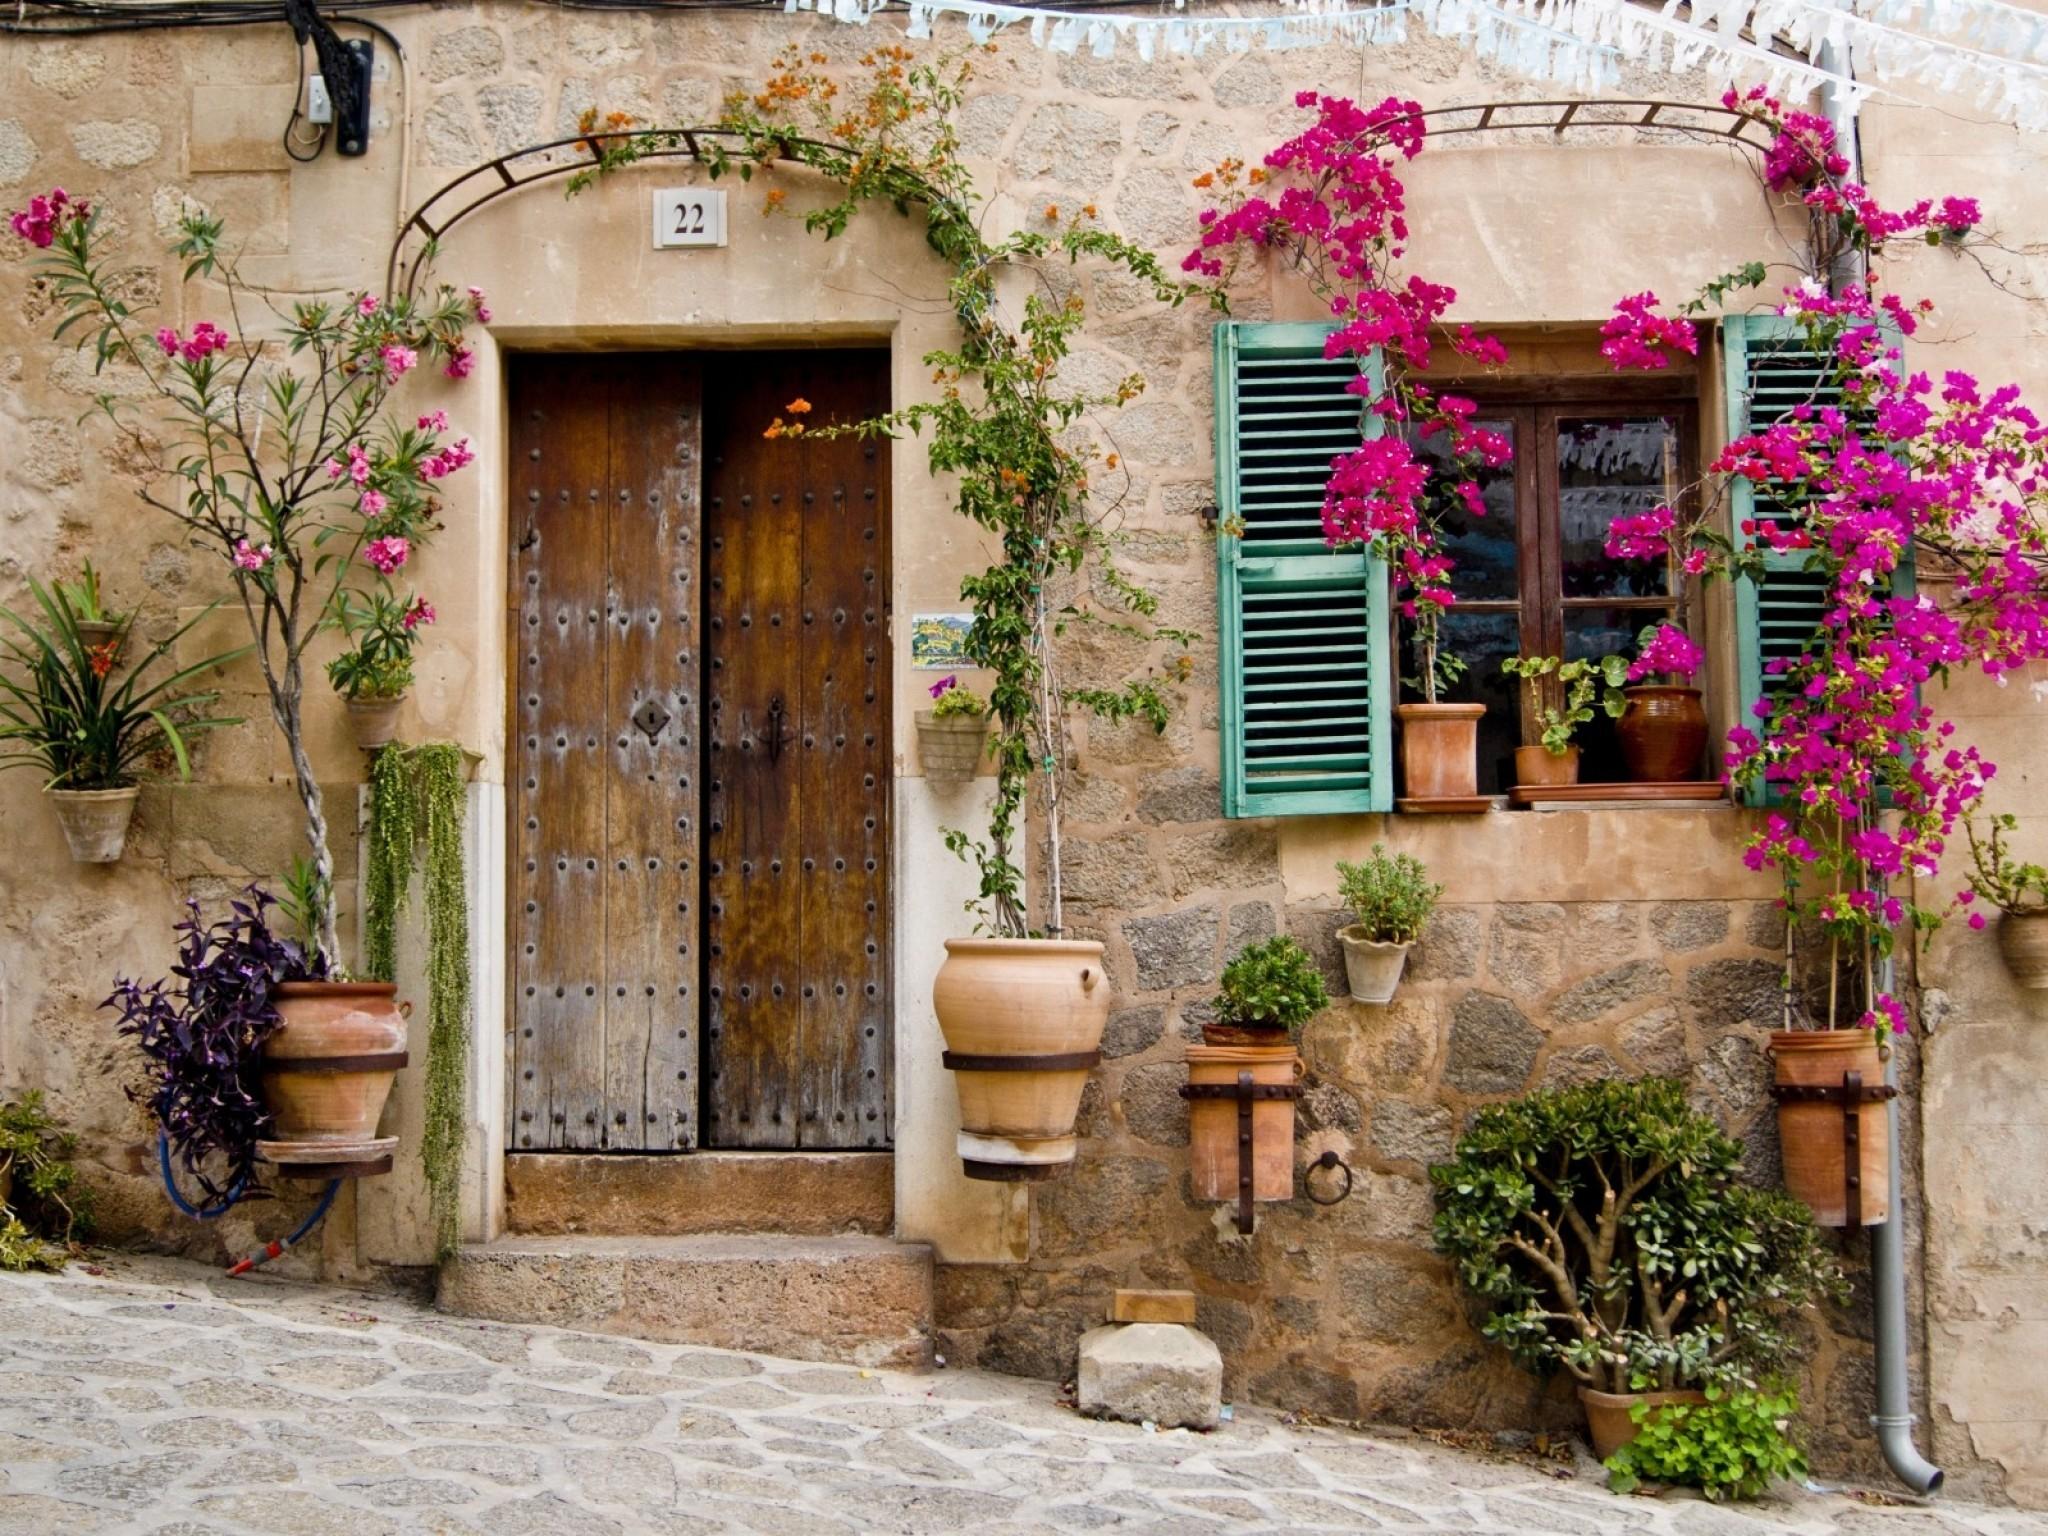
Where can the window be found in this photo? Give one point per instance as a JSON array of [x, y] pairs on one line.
[[1533, 577]]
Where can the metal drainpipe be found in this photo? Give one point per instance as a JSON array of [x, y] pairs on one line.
[[1894, 1419]]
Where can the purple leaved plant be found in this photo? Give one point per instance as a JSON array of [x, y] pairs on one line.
[[202, 1030]]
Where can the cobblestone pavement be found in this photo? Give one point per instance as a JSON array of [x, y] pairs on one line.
[[164, 1398]]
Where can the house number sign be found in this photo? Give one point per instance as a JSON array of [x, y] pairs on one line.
[[685, 216]]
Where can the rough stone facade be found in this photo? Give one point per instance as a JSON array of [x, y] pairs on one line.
[[1572, 945]]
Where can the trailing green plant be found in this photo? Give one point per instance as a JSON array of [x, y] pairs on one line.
[[1391, 896], [1013, 441], [2009, 884], [1605, 1230], [1271, 985], [417, 797], [43, 1207], [1583, 681], [1732, 1446], [64, 713]]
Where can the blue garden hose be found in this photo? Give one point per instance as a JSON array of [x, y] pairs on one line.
[[227, 1202]]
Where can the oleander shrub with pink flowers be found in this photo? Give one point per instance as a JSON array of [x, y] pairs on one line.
[[1869, 780], [276, 447]]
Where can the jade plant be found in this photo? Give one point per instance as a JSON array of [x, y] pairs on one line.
[[1585, 683], [1391, 895], [1605, 1231], [1272, 985]]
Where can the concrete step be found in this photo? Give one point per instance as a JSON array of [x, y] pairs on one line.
[[682, 1194], [854, 1300]]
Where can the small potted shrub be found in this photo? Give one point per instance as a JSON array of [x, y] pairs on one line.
[[43, 1207], [374, 673], [2019, 891], [953, 733], [1604, 1229], [1390, 899], [93, 738], [1554, 760], [1268, 992]]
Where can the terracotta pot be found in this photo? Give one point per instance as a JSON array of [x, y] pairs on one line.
[[1440, 749], [1541, 766], [1663, 731], [328, 1071], [951, 748], [2023, 940], [1810, 1132], [1610, 1422], [1372, 968], [1217, 1032], [1212, 1123], [374, 721], [97, 632], [95, 821], [1023, 1025]]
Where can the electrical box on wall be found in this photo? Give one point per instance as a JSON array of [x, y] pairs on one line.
[[352, 122]]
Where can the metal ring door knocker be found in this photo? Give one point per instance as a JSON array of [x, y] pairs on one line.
[[1323, 1164]]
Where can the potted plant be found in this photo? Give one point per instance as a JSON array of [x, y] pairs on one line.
[[1439, 740], [92, 737], [1663, 726], [1604, 1229], [2019, 891], [373, 674], [44, 1209], [1730, 1445], [1267, 993], [96, 623], [1554, 760], [1390, 899], [953, 733]]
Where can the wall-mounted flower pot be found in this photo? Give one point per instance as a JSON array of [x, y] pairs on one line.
[[93, 633], [1610, 1416], [374, 721], [328, 1069], [1541, 767], [1809, 1067], [1440, 750], [1662, 732], [95, 821], [1213, 1122], [951, 747], [2023, 941], [1373, 969], [1023, 1024]]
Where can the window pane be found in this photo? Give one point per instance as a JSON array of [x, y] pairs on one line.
[[1592, 633], [1485, 640], [1608, 467], [1484, 547]]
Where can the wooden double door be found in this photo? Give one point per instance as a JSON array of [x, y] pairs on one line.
[[700, 753]]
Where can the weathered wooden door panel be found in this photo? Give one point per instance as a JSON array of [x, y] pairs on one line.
[[797, 758], [605, 521]]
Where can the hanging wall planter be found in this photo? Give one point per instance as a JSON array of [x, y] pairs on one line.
[[1663, 731], [1391, 896], [328, 1069], [951, 746], [95, 821], [1023, 1022], [1831, 1092], [1440, 750], [1219, 1116], [2023, 941]]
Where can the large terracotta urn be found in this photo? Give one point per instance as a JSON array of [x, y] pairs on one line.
[[1023, 1023], [328, 1070], [1662, 733], [1809, 1068]]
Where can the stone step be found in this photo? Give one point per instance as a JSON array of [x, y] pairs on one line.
[[854, 1300], [684, 1194]]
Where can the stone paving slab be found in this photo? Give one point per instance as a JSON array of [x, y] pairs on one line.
[[163, 1398]]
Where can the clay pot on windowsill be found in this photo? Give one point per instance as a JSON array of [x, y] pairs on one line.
[[2023, 941], [1610, 1416], [951, 746], [95, 821], [1541, 767], [1662, 733], [1023, 1023], [1373, 969], [375, 720], [1811, 1132], [1440, 750]]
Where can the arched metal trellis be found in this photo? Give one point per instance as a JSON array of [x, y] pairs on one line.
[[485, 183]]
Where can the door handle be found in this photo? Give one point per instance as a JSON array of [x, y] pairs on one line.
[[777, 738]]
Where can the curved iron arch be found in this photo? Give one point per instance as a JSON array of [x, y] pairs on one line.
[[492, 179]]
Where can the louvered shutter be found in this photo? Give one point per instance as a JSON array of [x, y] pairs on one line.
[[1772, 368], [1306, 676]]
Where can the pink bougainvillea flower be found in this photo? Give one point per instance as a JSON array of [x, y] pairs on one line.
[[1670, 651], [206, 339], [251, 558], [398, 360], [460, 361], [1637, 337], [358, 465], [944, 685], [335, 468], [478, 307], [168, 340], [387, 554], [46, 212], [421, 612], [367, 304], [372, 503], [434, 421]]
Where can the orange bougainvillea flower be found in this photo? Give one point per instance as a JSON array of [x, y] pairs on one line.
[[1052, 211], [1206, 179], [773, 200], [1088, 212], [775, 429], [798, 407]]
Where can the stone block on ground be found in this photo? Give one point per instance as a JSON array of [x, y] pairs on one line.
[[1156, 1373]]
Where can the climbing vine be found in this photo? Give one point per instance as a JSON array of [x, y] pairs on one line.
[[1014, 440], [416, 799]]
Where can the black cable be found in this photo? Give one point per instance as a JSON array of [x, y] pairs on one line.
[[320, 142]]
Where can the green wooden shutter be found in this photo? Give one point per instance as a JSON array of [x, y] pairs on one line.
[[1771, 368], [1306, 677]]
